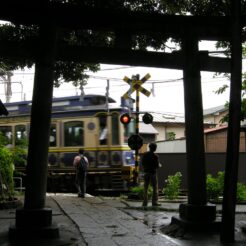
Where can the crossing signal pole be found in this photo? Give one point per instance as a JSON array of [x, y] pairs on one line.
[[135, 142]]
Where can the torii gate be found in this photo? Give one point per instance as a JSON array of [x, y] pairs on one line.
[[124, 25]]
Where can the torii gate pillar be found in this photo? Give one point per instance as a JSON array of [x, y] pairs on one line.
[[34, 220], [197, 213]]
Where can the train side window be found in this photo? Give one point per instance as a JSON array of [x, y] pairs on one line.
[[6, 135], [53, 131], [20, 135], [74, 133], [115, 129]]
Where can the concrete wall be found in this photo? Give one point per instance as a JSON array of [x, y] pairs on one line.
[[172, 146]]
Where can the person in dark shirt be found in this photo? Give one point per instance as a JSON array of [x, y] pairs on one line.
[[150, 163], [80, 175]]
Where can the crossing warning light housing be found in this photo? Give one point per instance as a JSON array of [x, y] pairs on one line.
[[135, 142], [147, 118], [125, 119]]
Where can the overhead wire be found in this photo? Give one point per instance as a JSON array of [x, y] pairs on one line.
[[114, 86]]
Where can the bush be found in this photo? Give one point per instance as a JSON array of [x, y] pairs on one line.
[[139, 191], [241, 192], [214, 189], [172, 188], [6, 170], [19, 156]]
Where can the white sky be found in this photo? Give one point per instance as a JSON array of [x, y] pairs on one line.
[[168, 86]]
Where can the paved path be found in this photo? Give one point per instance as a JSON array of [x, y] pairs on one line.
[[101, 223]]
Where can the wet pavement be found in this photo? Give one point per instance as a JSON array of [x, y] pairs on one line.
[[116, 221]]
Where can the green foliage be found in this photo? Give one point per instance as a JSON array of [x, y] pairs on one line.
[[76, 71], [171, 135], [63, 72], [172, 188], [6, 169], [215, 187], [241, 192], [139, 191], [19, 155], [223, 88], [3, 140]]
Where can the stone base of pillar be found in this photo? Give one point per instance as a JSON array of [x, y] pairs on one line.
[[33, 223], [197, 213], [197, 218]]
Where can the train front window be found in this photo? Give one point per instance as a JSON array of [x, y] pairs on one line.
[[53, 135], [20, 135], [74, 133], [5, 135], [115, 129]]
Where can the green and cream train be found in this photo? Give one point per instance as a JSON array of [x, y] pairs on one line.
[[93, 124]]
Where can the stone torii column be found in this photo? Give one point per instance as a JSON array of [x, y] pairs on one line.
[[196, 213], [233, 134], [34, 220]]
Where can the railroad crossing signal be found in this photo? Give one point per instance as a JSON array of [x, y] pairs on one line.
[[136, 85]]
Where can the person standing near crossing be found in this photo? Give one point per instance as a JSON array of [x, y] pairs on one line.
[[81, 164], [150, 163]]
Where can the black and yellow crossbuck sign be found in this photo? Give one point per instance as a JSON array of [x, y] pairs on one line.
[[136, 85]]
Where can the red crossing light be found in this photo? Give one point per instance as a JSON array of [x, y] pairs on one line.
[[125, 119]]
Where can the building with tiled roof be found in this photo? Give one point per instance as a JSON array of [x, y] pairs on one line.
[[166, 125], [216, 139], [215, 114]]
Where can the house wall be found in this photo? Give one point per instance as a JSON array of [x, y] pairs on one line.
[[163, 129], [213, 142], [215, 118], [217, 141]]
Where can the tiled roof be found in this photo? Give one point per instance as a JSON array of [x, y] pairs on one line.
[[214, 110], [215, 129]]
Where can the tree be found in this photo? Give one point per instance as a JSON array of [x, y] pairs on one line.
[[223, 88], [64, 71], [73, 71], [76, 72]]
